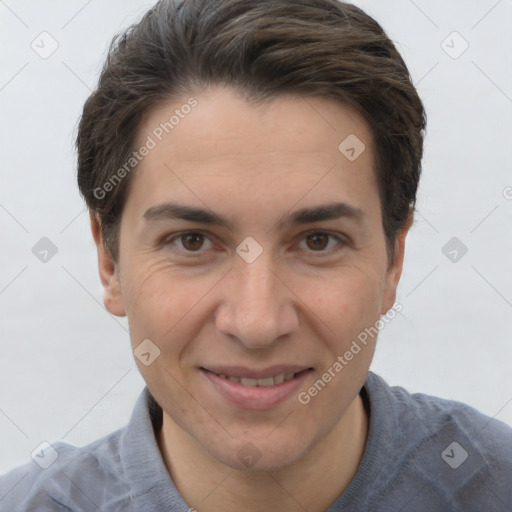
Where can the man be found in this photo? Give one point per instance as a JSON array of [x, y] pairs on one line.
[[251, 171]]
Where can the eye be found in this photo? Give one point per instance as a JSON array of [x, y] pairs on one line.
[[194, 241], [188, 241], [318, 241]]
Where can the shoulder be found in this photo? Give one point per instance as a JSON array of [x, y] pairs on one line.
[[459, 454], [443, 415], [61, 475], [437, 414]]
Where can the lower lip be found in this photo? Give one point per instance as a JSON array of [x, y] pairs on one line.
[[256, 398]]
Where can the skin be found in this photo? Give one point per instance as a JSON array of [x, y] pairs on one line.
[[302, 301]]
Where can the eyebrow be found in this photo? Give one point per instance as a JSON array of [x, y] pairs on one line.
[[330, 211]]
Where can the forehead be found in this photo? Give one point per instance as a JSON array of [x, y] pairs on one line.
[[286, 148], [226, 124]]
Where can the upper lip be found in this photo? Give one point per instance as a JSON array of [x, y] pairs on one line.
[[251, 373]]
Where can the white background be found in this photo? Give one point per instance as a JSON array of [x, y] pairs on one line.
[[66, 368]]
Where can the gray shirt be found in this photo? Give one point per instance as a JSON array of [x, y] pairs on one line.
[[422, 454]]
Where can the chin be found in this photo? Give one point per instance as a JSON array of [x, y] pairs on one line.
[[260, 454]]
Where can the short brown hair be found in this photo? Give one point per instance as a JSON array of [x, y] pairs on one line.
[[262, 49]]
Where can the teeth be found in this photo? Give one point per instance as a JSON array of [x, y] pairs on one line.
[[248, 382], [279, 378], [268, 381]]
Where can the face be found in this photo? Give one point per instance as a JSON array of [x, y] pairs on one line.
[[275, 280]]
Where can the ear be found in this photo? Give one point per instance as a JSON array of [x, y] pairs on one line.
[[394, 270], [108, 270]]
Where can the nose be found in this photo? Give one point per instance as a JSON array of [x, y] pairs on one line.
[[257, 306]]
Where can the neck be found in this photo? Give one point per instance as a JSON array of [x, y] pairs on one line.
[[313, 483]]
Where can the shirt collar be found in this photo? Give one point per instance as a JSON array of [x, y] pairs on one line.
[[153, 489], [151, 486]]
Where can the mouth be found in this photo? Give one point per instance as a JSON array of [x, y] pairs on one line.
[[256, 390]]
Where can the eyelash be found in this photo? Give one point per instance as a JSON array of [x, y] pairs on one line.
[[342, 240]]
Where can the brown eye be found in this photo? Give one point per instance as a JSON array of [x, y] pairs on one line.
[[323, 242], [188, 242], [318, 241], [192, 241]]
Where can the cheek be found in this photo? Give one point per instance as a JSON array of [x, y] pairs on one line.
[[350, 306], [350, 300], [160, 300], [142, 290]]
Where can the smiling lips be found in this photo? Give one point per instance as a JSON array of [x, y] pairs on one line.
[[269, 381], [256, 390], [253, 378], [265, 382]]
